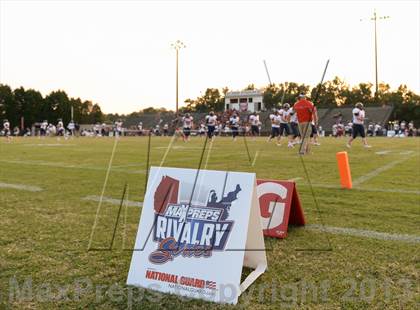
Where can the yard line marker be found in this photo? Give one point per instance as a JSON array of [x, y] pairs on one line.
[[113, 201], [364, 233], [21, 187], [379, 170]]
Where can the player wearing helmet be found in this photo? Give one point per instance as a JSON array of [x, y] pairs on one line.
[[211, 121], [254, 119], [234, 125], [358, 128], [284, 113], [187, 123], [6, 129]]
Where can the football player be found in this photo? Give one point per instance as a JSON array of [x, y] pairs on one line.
[[254, 119], [118, 128], [43, 128], [187, 124], [71, 126], [6, 129], [234, 125], [60, 128], [294, 125], [284, 123], [211, 121], [358, 128], [275, 127]]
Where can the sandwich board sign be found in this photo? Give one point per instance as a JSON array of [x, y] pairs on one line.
[[280, 206], [198, 228]]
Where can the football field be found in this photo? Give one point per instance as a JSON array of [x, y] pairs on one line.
[[359, 249]]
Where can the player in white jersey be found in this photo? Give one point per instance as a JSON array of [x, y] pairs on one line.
[[294, 125], [118, 128], [60, 128], [166, 129], [51, 130], [275, 127], [284, 123], [97, 130], [71, 126], [6, 129], [140, 128], [187, 125], [202, 130], [254, 120], [234, 125], [211, 121], [43, 128], [358, 128]]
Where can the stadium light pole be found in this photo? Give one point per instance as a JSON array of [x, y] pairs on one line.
[[177, 46], [375, 18]]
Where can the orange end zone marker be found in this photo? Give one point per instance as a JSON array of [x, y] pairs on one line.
[[344, 169]]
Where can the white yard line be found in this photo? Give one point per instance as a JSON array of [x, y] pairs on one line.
[[208, 154], [113, 201], [67, 166], [255, 158], [364, 189], [103, 192], [406, 152], [21, 187], [379, 170], [364, 233], [382, 152], [295, 179]]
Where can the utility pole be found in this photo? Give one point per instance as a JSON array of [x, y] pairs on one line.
[[375, 18], [177, 46]]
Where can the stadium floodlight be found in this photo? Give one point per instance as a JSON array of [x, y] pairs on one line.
[[375, 18], [177, 46]]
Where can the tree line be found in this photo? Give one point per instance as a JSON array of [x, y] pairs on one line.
[[30, 105], [33, 107]]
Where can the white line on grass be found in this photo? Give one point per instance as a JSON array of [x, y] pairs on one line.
[[103, 192], [113, 201], [67, 166], [208, 154], [364, 189], [376, 172], [255, 158], [365, 233], [382, 152], [21, 187], [406, 152], [179, 147], [295, 179]]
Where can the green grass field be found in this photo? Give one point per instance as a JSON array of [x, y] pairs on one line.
[[44, 262]]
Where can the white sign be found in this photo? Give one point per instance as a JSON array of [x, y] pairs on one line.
[[198, 228]]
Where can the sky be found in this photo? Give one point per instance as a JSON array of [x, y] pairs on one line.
[[119, 54]]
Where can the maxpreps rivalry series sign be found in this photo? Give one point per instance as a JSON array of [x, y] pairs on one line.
[[192, 224]]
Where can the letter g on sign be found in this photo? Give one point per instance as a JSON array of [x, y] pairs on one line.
[[271, 196]]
